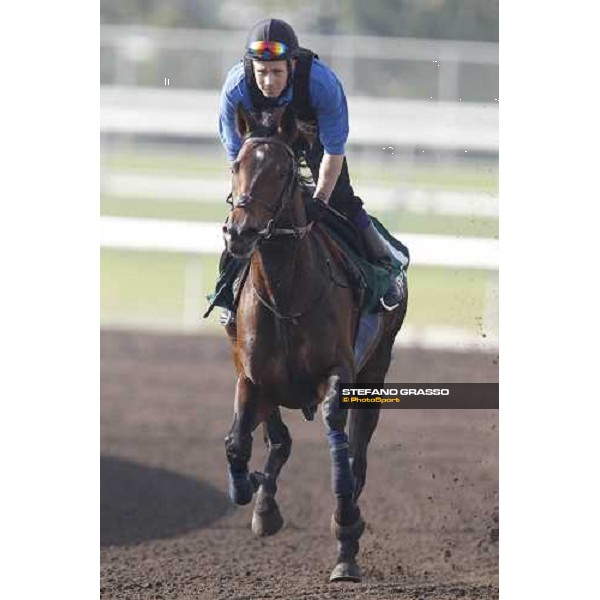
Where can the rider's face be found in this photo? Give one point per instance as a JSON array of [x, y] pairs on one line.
[[271, 77]]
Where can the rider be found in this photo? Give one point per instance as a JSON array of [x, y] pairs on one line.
[[275, 72]]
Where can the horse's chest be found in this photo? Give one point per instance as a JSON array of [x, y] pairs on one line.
[[271, 359]]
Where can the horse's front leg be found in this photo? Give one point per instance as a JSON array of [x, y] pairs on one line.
[[266, 519], [238, 442], [347, 524]]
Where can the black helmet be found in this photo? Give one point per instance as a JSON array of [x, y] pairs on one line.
[[271, 39]]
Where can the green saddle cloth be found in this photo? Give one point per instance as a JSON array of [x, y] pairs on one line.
[[371, 280], [228, 281]]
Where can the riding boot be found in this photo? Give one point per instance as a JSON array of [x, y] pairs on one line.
[[380, 253]]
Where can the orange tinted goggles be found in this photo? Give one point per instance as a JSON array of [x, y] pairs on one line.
[[267, 50]]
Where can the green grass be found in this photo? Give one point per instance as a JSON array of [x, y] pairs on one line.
[[453, 225], [483, 178], [467, 178], [177, 210], [182, 164], [146, 289], [448, 297], [216, 212]]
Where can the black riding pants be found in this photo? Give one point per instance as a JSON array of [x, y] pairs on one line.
[[342, 198]]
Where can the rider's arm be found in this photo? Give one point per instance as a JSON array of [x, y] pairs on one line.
[[231, 95], [329, 101], [329, 171]]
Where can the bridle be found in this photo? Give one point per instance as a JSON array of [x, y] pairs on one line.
[[270, 231], [287, 192]]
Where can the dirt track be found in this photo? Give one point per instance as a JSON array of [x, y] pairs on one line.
[[169, 531]]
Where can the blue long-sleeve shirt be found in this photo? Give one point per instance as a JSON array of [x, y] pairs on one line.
[[327, 98]]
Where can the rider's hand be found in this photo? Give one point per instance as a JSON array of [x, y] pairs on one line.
[[316, 210]]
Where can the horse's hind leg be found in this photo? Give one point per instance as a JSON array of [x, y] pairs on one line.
[[362, 424], [266, 519], [346, 524], [363, 421]]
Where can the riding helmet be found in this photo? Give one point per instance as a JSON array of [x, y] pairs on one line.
[[271, 30]]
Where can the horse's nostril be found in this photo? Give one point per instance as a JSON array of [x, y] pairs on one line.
[[230, 231], [240, 235]]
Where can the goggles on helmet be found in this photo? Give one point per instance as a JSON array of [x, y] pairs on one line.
[[263, 50]]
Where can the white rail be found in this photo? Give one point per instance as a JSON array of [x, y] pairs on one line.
[[125, 184], [410, 123], [206, 238], [440, 63]]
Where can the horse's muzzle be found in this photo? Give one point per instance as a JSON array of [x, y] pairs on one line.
[[240, 244]]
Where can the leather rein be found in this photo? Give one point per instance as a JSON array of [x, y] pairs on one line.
[[270, 231]]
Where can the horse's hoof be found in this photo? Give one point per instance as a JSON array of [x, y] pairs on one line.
[[346, 571], [240, 489], [267, 523], [266, 518]]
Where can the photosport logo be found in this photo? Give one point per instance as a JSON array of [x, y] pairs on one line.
[[419, 395]]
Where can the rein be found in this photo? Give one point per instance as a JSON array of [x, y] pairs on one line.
[[271, 231], [294, 316]]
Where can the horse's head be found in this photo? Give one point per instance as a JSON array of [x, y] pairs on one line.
[[264, 177]]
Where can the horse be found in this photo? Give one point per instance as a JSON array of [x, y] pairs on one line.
[[294, 333]]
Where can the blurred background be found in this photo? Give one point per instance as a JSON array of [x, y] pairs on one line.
[[421, 77]]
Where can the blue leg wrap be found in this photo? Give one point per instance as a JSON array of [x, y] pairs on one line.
[[240, 487], [342, 480]]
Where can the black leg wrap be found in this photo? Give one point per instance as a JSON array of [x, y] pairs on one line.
[[344, 533], [238, 450], [347, 550], [347, 511], [279, 444]]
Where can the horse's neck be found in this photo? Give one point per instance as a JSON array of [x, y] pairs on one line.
[[286, 268], [295, 212]]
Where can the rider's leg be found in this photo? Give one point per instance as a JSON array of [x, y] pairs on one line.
[[229, 273], [345, 201], [380, 252], [227, 316]]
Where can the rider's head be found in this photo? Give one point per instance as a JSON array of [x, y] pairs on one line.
[[272, 46]]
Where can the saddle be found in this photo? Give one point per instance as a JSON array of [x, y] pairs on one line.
[[370, 280]]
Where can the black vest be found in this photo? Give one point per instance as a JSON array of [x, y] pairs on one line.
[[300, 92]]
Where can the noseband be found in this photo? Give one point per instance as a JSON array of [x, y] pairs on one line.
[[243, 200]]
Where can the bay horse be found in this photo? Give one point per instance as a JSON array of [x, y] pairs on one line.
[[294, 334]]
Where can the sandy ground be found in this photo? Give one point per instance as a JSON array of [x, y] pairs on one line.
[[169, 531]]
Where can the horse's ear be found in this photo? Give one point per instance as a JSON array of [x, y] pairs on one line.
[[243, 121], [288, 125]]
